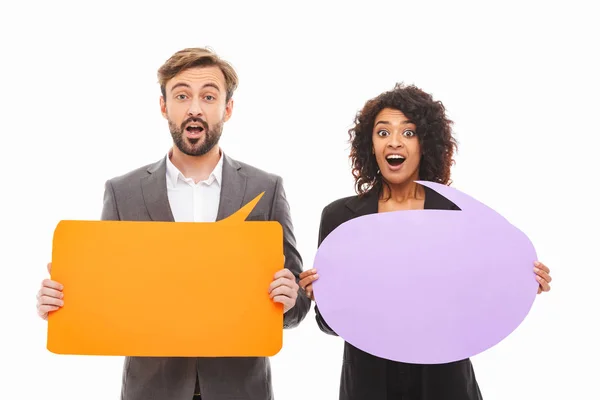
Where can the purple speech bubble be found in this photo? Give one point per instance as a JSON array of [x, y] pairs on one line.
[[426, 286]]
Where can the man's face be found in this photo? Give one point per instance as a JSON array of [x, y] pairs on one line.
[[196, 109]]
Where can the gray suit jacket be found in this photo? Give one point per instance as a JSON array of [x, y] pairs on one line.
[[141, 195]]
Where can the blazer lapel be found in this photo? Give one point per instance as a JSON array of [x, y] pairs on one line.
[[233, 188], [367, 204], [154, 190]]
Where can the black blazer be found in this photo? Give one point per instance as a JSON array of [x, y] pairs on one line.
[[367, 377]]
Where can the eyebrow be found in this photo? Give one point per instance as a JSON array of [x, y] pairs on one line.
[[183, 84], [405, 122]]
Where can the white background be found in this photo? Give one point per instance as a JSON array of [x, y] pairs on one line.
[[79, 105]]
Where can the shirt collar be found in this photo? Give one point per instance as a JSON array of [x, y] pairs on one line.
[[173, 173]]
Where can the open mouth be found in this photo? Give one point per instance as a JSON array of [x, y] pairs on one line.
[[195, 129], [395, 160]]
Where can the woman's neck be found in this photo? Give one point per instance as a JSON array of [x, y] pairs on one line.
[[408, 196]]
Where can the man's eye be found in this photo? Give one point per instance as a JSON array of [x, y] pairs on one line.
[[210, 98], [180, 96]]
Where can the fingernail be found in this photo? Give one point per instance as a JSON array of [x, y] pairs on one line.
[[536, 269], [538, 278], [62, 295], [62, 303], [536, 263]]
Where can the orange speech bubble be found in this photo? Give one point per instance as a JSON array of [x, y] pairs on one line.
[[167, 288]]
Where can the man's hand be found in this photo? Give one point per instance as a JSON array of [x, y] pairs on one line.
[[49, 297], [284, 289]]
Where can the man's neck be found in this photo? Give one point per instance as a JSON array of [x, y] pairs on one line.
[[197, 168]]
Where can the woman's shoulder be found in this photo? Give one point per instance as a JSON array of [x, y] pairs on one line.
[[348, 204], [349, 207], [339, 204]]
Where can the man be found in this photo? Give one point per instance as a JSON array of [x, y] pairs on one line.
[[197, 181]]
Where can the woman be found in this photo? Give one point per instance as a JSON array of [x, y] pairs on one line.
[[399, 137]]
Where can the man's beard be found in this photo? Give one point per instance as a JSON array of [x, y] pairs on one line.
[[190, 147]]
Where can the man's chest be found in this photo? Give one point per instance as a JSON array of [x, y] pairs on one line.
[[198, 203]]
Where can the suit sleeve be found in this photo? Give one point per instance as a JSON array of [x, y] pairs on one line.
[[324, 230], [293, 261], [109, 207]]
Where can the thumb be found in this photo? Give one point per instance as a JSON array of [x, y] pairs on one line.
[[49, 266]]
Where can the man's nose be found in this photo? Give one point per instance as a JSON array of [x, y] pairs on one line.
[[195, 108]]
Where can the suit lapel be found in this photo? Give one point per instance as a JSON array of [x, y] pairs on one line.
[[233, 188], [154, 190]]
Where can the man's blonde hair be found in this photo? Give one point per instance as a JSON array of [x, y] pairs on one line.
[[196, 57]]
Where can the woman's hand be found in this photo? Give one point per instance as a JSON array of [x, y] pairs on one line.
[[306, 280], [543, 276]]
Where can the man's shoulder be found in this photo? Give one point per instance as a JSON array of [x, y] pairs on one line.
[[133, 176], [259, 174]]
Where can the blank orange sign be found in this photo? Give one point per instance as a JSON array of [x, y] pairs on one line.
[[167, 288]]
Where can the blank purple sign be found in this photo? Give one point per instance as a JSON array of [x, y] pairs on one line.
[[426, 286]]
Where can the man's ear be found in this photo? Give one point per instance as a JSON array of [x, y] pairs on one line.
[[163, 107], [228, 110]]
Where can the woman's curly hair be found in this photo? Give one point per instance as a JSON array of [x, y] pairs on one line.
[[434, 132]]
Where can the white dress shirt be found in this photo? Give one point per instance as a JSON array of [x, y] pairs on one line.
[[190, 201]]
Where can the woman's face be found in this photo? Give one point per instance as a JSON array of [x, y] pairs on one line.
[[396, 147]]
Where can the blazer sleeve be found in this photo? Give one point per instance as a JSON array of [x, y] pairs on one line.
[[325, 228], [293, 261], [109, 208]]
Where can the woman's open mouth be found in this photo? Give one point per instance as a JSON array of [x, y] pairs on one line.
[[395, 160]]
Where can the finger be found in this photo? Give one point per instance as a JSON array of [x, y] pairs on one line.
[[43, 310], [308, 272], [284, 273], [541, 266], [291, 283], [304, 283], [284, 300], [539, 289], [309, 293], [49, 267], [52, 284], [543, 284], [45, 291], [47, 300], [543, 274], [284, 291]]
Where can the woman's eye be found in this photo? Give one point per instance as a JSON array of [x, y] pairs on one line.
[[383, 133], [409, 133]]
